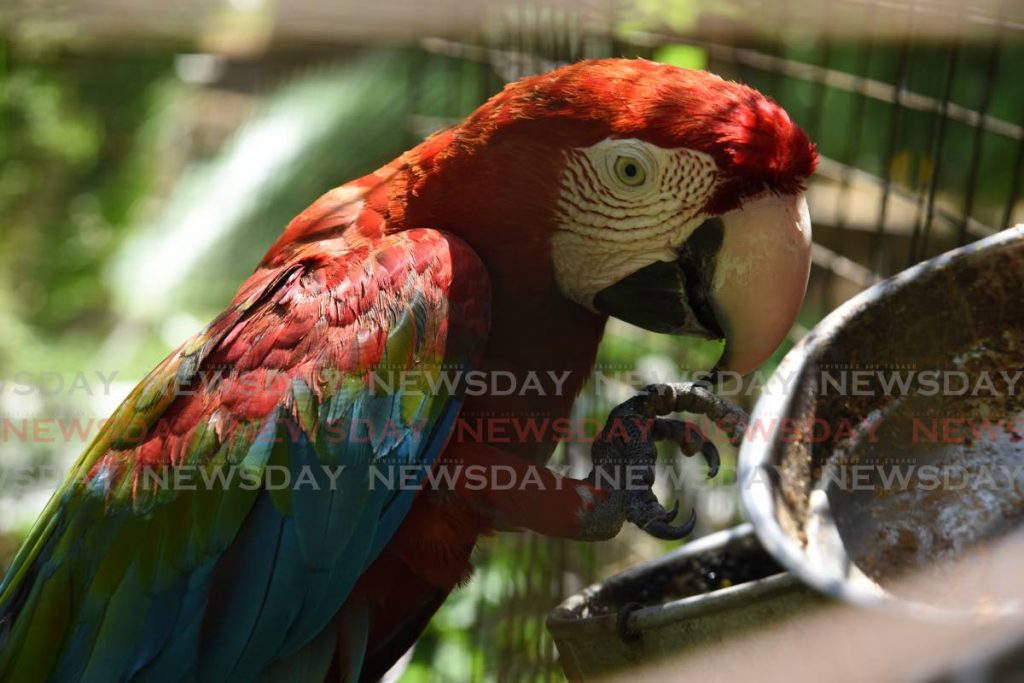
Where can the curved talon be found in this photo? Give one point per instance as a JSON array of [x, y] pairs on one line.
[[690, 440], [710, 454], [637, 448], [663, 530], [671, 514]]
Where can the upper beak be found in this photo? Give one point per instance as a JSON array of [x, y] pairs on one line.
[[741, 276], [761, 277]]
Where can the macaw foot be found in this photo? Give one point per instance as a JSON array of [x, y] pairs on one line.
[[625, 454]]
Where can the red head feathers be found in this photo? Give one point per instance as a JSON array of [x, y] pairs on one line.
[[753, 140]]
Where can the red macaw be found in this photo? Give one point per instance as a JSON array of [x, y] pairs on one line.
[[666, 197]]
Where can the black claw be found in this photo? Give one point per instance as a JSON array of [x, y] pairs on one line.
[[708, 379], [710, 454], [671, 514], [661, 529]]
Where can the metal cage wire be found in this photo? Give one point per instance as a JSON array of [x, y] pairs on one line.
[[921, 150]]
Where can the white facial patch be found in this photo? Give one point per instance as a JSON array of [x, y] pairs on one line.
[[624, 204]]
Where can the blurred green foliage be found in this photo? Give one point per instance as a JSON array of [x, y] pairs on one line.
[[314, 131], [72, 168]]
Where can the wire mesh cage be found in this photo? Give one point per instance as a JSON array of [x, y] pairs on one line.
[[916, 107]]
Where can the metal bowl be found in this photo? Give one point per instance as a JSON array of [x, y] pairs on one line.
[[861, 476], [704, 593]]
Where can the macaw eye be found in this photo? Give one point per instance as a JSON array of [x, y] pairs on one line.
[[630, 171]]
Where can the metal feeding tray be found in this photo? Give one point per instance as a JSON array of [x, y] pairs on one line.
[[844, 476], [888, 448], [704, 593]]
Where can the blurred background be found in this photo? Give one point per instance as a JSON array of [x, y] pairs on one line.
[[151, 151]]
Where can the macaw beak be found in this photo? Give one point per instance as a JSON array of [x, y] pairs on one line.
[[740, 277], [761, 277]]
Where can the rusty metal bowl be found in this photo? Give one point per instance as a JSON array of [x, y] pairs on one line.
[[838, 476], [704, 593]]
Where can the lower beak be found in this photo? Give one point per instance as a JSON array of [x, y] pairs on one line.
[[671, 297], [740, 276]]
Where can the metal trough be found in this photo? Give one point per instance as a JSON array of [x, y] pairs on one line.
[[839, 480], [914, 465], [703, 593]]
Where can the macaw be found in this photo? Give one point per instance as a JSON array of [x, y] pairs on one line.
[[668, 198]]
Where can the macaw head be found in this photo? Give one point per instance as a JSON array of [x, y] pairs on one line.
[[666, 197]]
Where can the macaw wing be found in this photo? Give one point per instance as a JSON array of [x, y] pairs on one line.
[[222, 516]]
